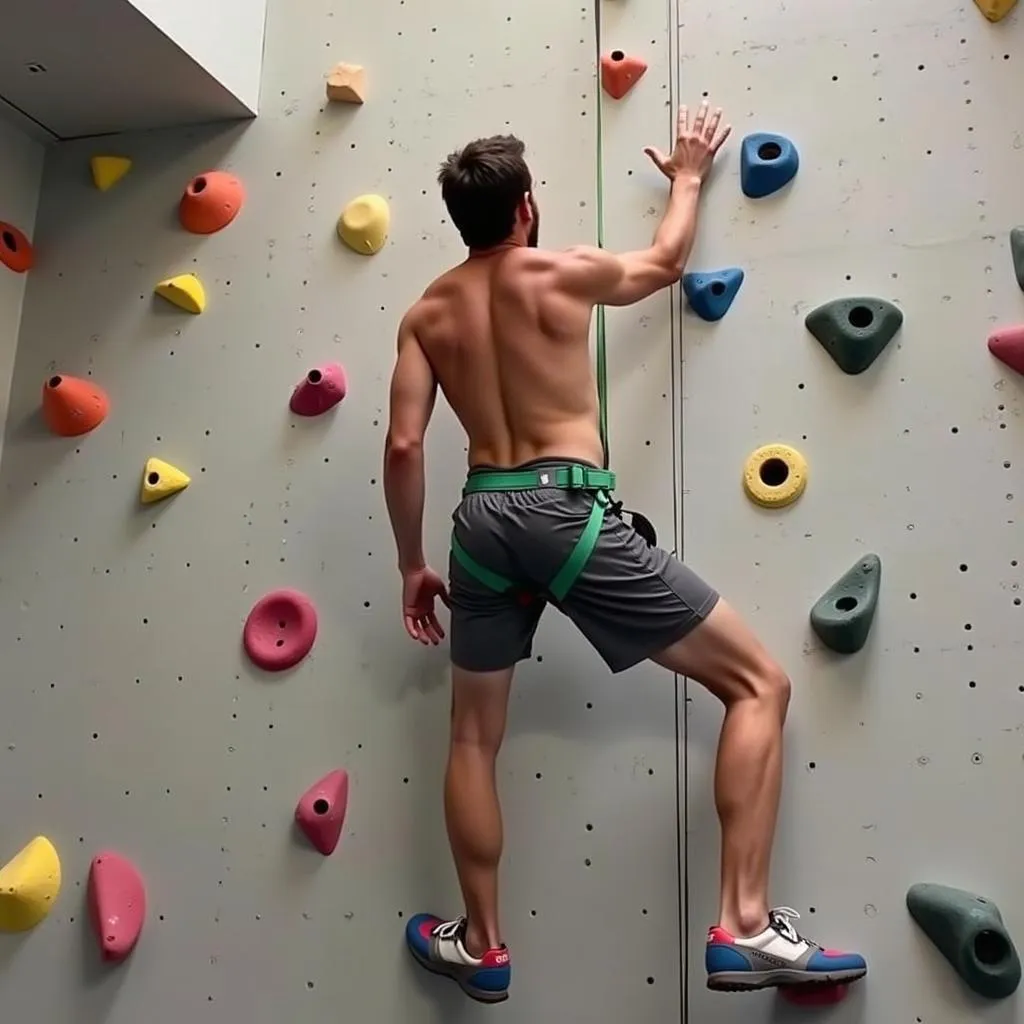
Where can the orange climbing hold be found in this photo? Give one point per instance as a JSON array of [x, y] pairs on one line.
[[15, 249], [1007, 345], [117, 901], [620, 72], [211, 202], [72, 406]]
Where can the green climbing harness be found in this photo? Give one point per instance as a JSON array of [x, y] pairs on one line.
[[599, 482]]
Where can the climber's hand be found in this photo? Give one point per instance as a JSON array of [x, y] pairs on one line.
[[695, 148]]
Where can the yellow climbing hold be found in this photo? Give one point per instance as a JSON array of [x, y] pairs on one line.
[[995, 10], [160, 480], [185, 290], [364, 224], [775, 475], [107, 171], [29, 885]]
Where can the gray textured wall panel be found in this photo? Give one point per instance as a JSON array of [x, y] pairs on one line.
[[903, 758], [125, 623]]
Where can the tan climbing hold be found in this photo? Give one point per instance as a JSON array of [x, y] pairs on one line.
[[346, 83], [107, 171], [995, 10], [364, 224], [160, 480], [185, 291], [29, 885]]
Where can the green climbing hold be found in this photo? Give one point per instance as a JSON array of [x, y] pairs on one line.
[[842, 616], [854, 331], [1017, 252], [969, 932]]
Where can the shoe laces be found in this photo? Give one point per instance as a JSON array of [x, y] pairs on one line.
[[450, 929], [781, 919]]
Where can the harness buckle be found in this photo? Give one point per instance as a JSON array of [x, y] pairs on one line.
[[577, 477]]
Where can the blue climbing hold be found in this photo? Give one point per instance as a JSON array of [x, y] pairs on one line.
[[710, 295], [767, 163]]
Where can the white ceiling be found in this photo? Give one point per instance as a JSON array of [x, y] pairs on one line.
[[74, 68]]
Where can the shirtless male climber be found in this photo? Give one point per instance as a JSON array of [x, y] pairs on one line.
[[506, 336]]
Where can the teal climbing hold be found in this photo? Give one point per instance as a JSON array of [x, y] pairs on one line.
[[710, 294], [768, 162], [854, 331], [1017, 254], [842, 616], [969, 932]]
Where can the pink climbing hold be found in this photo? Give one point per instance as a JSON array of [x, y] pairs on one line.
[[814, 995], [321, 389], [117, 901], [1007, 345], [280, 630], [321, 811]]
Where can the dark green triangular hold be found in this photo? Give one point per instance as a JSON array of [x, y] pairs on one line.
[[842, 616], [854, 331], [1017, 253], [969, 932]]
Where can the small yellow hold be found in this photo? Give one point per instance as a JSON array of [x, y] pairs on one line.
[[995, 10], [29, 885], [160, 480], [775, 475], [107, 171], [347, 84], [185, 291], [364, 224]]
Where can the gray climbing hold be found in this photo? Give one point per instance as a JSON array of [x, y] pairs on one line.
[[854, 331], [842, 616], [1017, 253], [969, 932]]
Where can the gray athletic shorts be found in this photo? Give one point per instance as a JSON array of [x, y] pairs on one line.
[[630, 601]]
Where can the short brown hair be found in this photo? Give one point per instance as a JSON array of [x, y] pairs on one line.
[[481, 185]]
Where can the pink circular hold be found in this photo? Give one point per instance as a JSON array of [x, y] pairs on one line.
[[280, 630]]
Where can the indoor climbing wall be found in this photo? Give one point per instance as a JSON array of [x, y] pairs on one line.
[[135, 729], [903, 758]]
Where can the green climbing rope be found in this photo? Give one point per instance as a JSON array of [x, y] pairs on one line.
[[602, 354]]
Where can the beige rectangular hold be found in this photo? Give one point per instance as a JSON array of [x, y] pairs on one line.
[[347, 84]]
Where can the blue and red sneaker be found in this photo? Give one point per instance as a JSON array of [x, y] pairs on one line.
[[440, 947], [778, 956]]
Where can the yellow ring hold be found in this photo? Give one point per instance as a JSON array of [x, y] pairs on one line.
[[775, 475], [364, 224]]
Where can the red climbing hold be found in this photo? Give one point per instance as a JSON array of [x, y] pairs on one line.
[[117, 901], [72, 406], [321, 389], [321, 811], [620, 72], [1007, 344], [16, 251], [280, 630], [814, 995], [211, 202]]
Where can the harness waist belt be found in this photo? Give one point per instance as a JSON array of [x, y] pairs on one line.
[[570, 478]]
